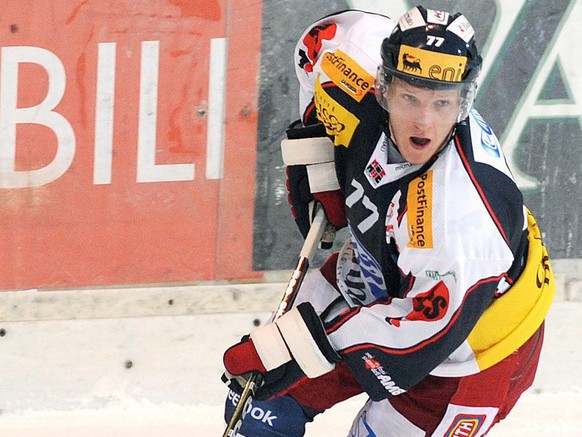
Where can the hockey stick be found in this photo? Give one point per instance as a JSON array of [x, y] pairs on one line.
[[318, 227]]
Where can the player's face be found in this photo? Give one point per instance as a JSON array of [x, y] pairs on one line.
[[421, 119]]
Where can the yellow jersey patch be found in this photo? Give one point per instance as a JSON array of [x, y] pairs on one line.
[[419, 216], [338, 121], [347, 74]]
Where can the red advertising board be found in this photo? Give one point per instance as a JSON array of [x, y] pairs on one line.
[[127, 141]]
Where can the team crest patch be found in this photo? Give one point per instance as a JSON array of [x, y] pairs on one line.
[[466, 425], [375, 172]]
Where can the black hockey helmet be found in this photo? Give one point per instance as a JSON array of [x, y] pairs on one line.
[[431, 49]]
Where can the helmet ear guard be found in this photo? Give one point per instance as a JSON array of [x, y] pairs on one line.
[[434, 50]]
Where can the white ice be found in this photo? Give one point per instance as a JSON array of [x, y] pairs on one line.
[[159, 376]]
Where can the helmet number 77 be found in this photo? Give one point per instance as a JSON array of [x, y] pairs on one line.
[[436, 41]]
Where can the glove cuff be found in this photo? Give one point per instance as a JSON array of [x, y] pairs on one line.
[[270, 346], [322, 177], [313, 353], [303, 151]]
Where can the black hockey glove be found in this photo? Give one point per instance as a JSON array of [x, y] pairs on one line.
[[275, 351], [301, 193]]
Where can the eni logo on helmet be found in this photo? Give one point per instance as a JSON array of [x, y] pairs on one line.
[[431, 65], [411, 63]]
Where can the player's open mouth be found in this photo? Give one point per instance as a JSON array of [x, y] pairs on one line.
[[418, 141]]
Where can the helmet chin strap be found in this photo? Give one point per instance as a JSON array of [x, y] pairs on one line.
[[448, 138]]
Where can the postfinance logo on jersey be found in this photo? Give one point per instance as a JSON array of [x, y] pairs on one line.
[[431, 65], [338, 121], [419, 200], [347, 74]]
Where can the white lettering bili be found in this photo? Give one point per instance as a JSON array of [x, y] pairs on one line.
[[46, 114]]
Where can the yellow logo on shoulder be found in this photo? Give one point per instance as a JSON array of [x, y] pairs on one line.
[[347, 74], [338, 121], [431, 65], [419, 216]]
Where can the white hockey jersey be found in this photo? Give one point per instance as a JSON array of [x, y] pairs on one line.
[[445, 272]]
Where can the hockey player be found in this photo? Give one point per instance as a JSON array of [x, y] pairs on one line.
[[435, 306]]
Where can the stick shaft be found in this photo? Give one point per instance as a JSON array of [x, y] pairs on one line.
[[253, 383]]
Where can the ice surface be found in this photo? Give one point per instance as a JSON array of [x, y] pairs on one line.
[[159, 376]]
